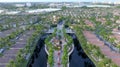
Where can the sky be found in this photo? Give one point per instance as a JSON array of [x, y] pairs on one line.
[[59, 0]]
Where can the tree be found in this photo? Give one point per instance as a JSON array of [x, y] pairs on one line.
[[101, 64], [11, 64], [65, 56], [84, 7], [50, 57], [64, 7]]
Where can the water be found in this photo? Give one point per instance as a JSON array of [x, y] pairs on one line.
[[93, 5], [77, 59], [39, 57], [98, 5], [41, 61]]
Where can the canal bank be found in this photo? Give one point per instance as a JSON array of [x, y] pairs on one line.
[[63, 38], [77, 59]]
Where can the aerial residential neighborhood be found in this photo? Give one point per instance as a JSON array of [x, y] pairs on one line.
[[60, 33]]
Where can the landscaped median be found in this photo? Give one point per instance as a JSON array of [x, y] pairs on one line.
[[58, 46], [93, 51], [49, 48]]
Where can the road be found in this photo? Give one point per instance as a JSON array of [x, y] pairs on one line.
[[12, 52]]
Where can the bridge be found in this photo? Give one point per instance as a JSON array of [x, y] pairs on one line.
[[67, 30]]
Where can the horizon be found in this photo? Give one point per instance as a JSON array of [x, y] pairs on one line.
[[58, 1]]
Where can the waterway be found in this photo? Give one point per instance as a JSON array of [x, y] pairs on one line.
[[77, 59]]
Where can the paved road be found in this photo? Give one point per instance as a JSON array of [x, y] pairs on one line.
[[91, 37], [6, 32], [12, 52]]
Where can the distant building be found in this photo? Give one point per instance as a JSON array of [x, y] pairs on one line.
[[89, 23], [42, 10], [28, 4], [55, 18], [118, 21], [1, 11], [116, 2], [19, 5], [12, 12]]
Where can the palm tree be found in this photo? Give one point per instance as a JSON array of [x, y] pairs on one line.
[[50, 57], [11, 64]]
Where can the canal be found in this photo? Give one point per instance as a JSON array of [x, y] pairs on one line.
[[77, 59]]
